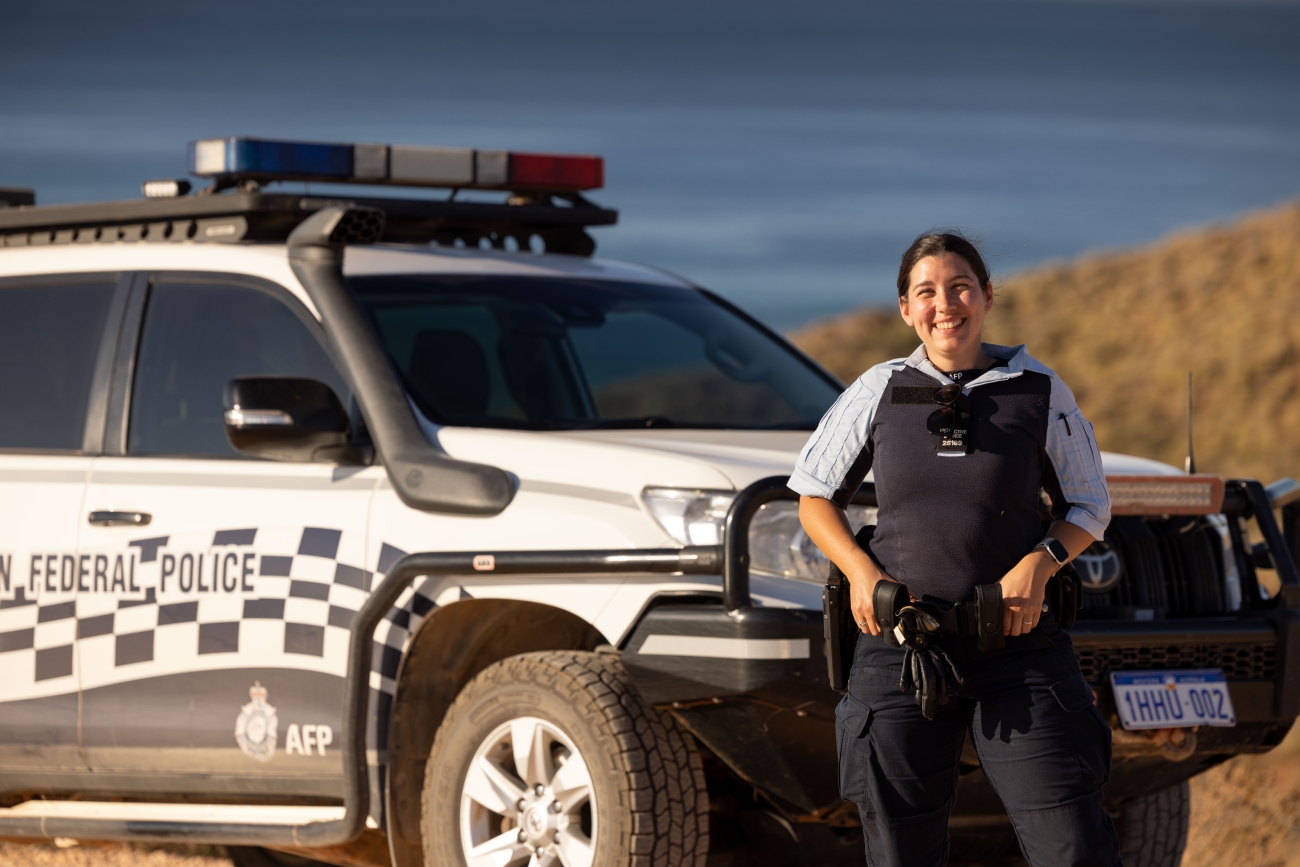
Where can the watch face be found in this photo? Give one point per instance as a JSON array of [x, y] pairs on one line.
[[1054, 547]]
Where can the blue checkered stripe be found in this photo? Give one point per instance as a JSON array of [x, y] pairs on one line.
[[310, 591], [393, 635]]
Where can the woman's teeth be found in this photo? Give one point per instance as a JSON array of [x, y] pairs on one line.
[[949, 326]]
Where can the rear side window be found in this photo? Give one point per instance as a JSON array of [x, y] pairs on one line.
[[49, 339], [196, 339]]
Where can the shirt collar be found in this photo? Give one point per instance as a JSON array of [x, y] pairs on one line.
[[1015, 357]]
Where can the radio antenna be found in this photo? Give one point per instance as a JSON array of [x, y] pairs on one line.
[[1190, 464]]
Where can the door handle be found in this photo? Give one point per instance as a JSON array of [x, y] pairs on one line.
[[120, 519]]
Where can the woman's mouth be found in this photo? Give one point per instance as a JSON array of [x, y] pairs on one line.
[[949, 325]]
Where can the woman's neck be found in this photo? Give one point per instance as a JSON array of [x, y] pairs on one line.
[[967, 359]]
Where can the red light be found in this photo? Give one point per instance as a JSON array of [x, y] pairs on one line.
[[552, 172]]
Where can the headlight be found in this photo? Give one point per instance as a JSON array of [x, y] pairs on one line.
[[777, 543], [690, 517]]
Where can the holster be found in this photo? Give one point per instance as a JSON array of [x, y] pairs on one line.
[[1064, 595], [839, 628]]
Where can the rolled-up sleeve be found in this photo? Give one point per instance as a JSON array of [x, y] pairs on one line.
[[1076, 460], [842, 440]]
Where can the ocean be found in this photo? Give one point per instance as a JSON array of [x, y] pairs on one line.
[[783, 154]]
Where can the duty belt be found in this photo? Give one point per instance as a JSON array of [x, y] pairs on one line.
[[980, 619], [915, 625]]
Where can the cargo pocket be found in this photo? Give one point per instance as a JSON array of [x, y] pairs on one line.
[[852, 719], [1089, 734]]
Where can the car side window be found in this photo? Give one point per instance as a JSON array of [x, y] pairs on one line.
[[196, 338], [49, 340]]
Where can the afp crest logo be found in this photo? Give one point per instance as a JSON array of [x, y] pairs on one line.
[[256, 726], [1100, 567]]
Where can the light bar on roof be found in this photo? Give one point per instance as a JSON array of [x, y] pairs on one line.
[[236, 159], [1165, 495]]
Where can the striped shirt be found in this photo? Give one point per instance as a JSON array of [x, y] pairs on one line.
[[947, 524]]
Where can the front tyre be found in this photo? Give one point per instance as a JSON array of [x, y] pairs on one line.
[[1153, 829], [552, 759]]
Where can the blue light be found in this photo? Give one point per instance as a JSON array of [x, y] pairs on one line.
[[253, 158]]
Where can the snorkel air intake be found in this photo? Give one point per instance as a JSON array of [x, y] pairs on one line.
[[424, 478]]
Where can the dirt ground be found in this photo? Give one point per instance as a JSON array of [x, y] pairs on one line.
[[1245, 813], [123, 855]]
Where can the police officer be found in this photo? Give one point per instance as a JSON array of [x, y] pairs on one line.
[[958, 474]]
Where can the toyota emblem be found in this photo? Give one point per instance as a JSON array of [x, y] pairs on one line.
[[1100, 567]]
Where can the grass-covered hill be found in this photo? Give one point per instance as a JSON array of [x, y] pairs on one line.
[[1123, 329]]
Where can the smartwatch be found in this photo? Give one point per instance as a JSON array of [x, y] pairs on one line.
[[1055, 549]]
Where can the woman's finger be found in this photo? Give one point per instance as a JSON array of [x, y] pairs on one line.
[[863, 612], [1016, 616]]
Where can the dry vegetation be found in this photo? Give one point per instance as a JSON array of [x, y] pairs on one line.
[[1123, 329]]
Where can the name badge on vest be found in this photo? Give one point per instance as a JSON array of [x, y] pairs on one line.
[[950, 422]]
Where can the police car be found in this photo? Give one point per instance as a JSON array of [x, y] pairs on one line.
[[399, 530]]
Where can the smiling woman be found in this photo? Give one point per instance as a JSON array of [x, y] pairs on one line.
[[963, 438]]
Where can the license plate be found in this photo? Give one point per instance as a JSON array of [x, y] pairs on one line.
[[1172, 699]]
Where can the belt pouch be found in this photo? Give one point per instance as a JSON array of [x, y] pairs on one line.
[[988, 611]]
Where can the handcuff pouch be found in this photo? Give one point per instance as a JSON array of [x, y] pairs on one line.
[[988, 615], [887, 599]]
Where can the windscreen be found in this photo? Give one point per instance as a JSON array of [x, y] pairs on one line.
[[564, 354]]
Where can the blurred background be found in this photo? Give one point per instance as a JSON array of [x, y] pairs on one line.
[[784, 154], [780, 153], [1131, 168]]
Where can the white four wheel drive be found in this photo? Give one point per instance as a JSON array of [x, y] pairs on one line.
[[401, 531]]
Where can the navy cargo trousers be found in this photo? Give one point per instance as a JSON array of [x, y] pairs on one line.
[[1042, 744]]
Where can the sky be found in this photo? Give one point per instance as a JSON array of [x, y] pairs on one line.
[[782, 154]]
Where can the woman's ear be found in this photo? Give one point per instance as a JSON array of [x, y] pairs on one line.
[[988, 297], [904, 311]]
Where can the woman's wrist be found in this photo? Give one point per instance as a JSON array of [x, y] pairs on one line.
[[866, 574], [1043, 564]]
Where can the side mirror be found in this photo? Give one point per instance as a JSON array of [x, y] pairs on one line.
[[288, 418]]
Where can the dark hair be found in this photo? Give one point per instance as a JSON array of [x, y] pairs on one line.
[[938, 243]]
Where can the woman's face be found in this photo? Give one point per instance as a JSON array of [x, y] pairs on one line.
[[946, 304]]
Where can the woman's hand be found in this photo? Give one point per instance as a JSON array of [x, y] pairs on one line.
[[862, 592], [1025, 585], [828, 527], [1023, 589]]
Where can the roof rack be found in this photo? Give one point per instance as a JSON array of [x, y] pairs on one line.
[[545, 206], [272, 216]]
